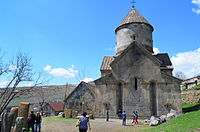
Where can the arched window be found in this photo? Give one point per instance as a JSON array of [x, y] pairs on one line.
[[136, 83], [133, 37]]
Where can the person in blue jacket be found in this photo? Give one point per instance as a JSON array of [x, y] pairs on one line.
[[124, 118], [84, 123]]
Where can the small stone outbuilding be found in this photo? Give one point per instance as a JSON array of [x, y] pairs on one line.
[[53, 108], [82, 98], [190, 83]]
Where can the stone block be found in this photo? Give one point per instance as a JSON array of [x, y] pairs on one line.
[[68, 113]]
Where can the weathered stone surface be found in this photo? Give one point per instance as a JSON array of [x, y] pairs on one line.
[[23, 112], [147, 121], [70, 113], [154, 123], [19, 125], [81, 99], [190, 96], [5, 123], [170, 116], [134, 32], [174, 112], [163, 118]]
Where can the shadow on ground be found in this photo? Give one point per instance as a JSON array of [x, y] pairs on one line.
[[190, 109]]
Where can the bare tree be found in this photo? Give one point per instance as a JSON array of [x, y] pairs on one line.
[[17, 71], [180, 75], [66, 90], [42, 97], [39, 90], [81, 75]]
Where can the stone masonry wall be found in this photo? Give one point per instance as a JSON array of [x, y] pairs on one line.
[[191, 96], [134, 32]]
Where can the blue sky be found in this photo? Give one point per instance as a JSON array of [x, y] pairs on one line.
[[65, 38]]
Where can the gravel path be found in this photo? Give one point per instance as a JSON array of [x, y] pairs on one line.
[[97, 125]]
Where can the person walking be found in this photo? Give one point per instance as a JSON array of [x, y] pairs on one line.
[[31, 121], [124, 118], [84, 123], [119, 113], [38, 121], [135, 117]]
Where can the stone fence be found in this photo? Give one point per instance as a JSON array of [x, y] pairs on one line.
[[190, 96]]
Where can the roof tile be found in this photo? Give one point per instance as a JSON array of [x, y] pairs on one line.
[[133, 17], [107, 60], [57, 106]]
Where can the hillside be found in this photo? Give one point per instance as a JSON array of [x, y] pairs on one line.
[[42, 93], [185, 123]]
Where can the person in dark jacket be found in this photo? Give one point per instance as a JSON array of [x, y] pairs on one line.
[[84, 123], [38, 121], [31, 121]]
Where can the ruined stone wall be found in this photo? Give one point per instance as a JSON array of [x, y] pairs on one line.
[[190, 96]]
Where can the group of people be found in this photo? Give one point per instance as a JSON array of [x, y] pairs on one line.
[[83, 123], [135, 118], [34, 122]]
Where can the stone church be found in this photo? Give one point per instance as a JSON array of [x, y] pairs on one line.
[[135, 79]]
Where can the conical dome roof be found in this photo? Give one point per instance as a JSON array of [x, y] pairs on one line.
[[133, 17]]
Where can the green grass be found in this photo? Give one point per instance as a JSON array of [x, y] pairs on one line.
[[185, 123], [197, 86], [57, 119], [186, 105]]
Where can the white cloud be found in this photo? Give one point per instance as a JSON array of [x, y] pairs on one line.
[[67, 73], [187, 62], [196, 10], [29, 85], [156, 50], [87, 80], [47, 68], [3, 84], [196, 2]]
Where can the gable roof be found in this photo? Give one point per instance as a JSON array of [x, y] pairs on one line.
[[164, 58], [171, 77], [57, 106], [133, 17], [107, 60], [89, 86], [139, 47]]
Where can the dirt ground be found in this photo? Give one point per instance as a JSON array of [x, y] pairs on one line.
[[97, 125]]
